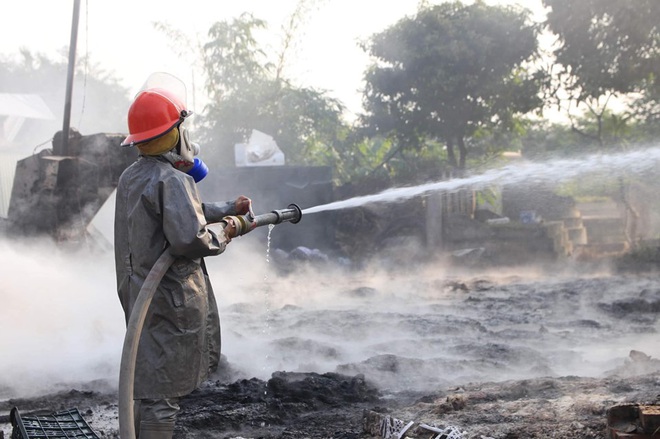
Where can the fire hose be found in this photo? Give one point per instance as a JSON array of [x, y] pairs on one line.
[[244, 224]]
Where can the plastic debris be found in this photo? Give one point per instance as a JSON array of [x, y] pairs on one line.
[[392, 428], [67, 424], [449, 432], [388, 427]]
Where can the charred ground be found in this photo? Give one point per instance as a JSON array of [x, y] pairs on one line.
[[496, 358], [308, 405]]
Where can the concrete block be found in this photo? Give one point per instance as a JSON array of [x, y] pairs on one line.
[[573, 222], [621, 419], [632, 421], [554, 227], [577, 235], [649, 416], [604, 229]]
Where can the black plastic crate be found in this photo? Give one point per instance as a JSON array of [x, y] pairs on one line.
[[61, 425]]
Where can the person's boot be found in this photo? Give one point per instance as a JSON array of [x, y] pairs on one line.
[[156, 430]]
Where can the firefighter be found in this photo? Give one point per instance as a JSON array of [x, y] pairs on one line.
[[158, 207]]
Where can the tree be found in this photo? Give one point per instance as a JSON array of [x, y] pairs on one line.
[[248, 92], [99, 101], [448, 71], [606, 49]]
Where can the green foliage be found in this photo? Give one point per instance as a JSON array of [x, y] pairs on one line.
[[248, 93], [618, 132], [490, 199], [489, 142], [608, 45], [232, 57], [386, 160], [449, 71], [596, 185], [646, 108], [453, 79]]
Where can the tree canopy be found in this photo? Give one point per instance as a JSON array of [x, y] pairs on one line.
[[248, 92], [607, 45], [605, 49], [449, 70], [449, 80], [99, 102]]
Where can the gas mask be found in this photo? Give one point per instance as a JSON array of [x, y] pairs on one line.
[[183, 157]]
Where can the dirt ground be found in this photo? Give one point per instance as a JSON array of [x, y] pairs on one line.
[[493, 356], [309, 405]]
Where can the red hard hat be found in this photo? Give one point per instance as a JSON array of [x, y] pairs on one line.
[[153, 113]]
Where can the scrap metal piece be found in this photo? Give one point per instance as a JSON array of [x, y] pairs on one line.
[[450, 432], [68, 424], [388, 427]]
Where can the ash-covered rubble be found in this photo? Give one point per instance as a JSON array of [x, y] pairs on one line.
[[310, 405], [498, 359]]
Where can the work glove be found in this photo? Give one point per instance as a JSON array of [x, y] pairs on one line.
[[237, 225], [243, 205], [242, 223]]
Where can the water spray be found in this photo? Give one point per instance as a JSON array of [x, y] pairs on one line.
[[244, 224], [634, 162]]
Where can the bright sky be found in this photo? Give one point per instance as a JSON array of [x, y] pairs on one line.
[[120, 37]]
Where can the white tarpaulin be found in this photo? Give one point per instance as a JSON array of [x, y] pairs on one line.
[[24, 105], [261, 150]]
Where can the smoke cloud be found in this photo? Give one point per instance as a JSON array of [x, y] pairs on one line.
[[403, 326], [60, 316]]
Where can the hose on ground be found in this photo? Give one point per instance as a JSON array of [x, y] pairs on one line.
[[132, 341]]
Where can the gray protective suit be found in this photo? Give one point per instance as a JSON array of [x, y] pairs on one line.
[[159, 207]]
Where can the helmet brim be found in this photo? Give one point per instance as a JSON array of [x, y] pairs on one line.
[[154, 133]]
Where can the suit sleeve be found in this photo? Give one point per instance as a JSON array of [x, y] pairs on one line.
[[214, 212], [184, 222]]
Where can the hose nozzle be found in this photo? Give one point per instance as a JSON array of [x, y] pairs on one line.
[[246, 223], [291, 214]]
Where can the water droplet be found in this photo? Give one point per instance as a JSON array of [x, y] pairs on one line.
[[267, 299]]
